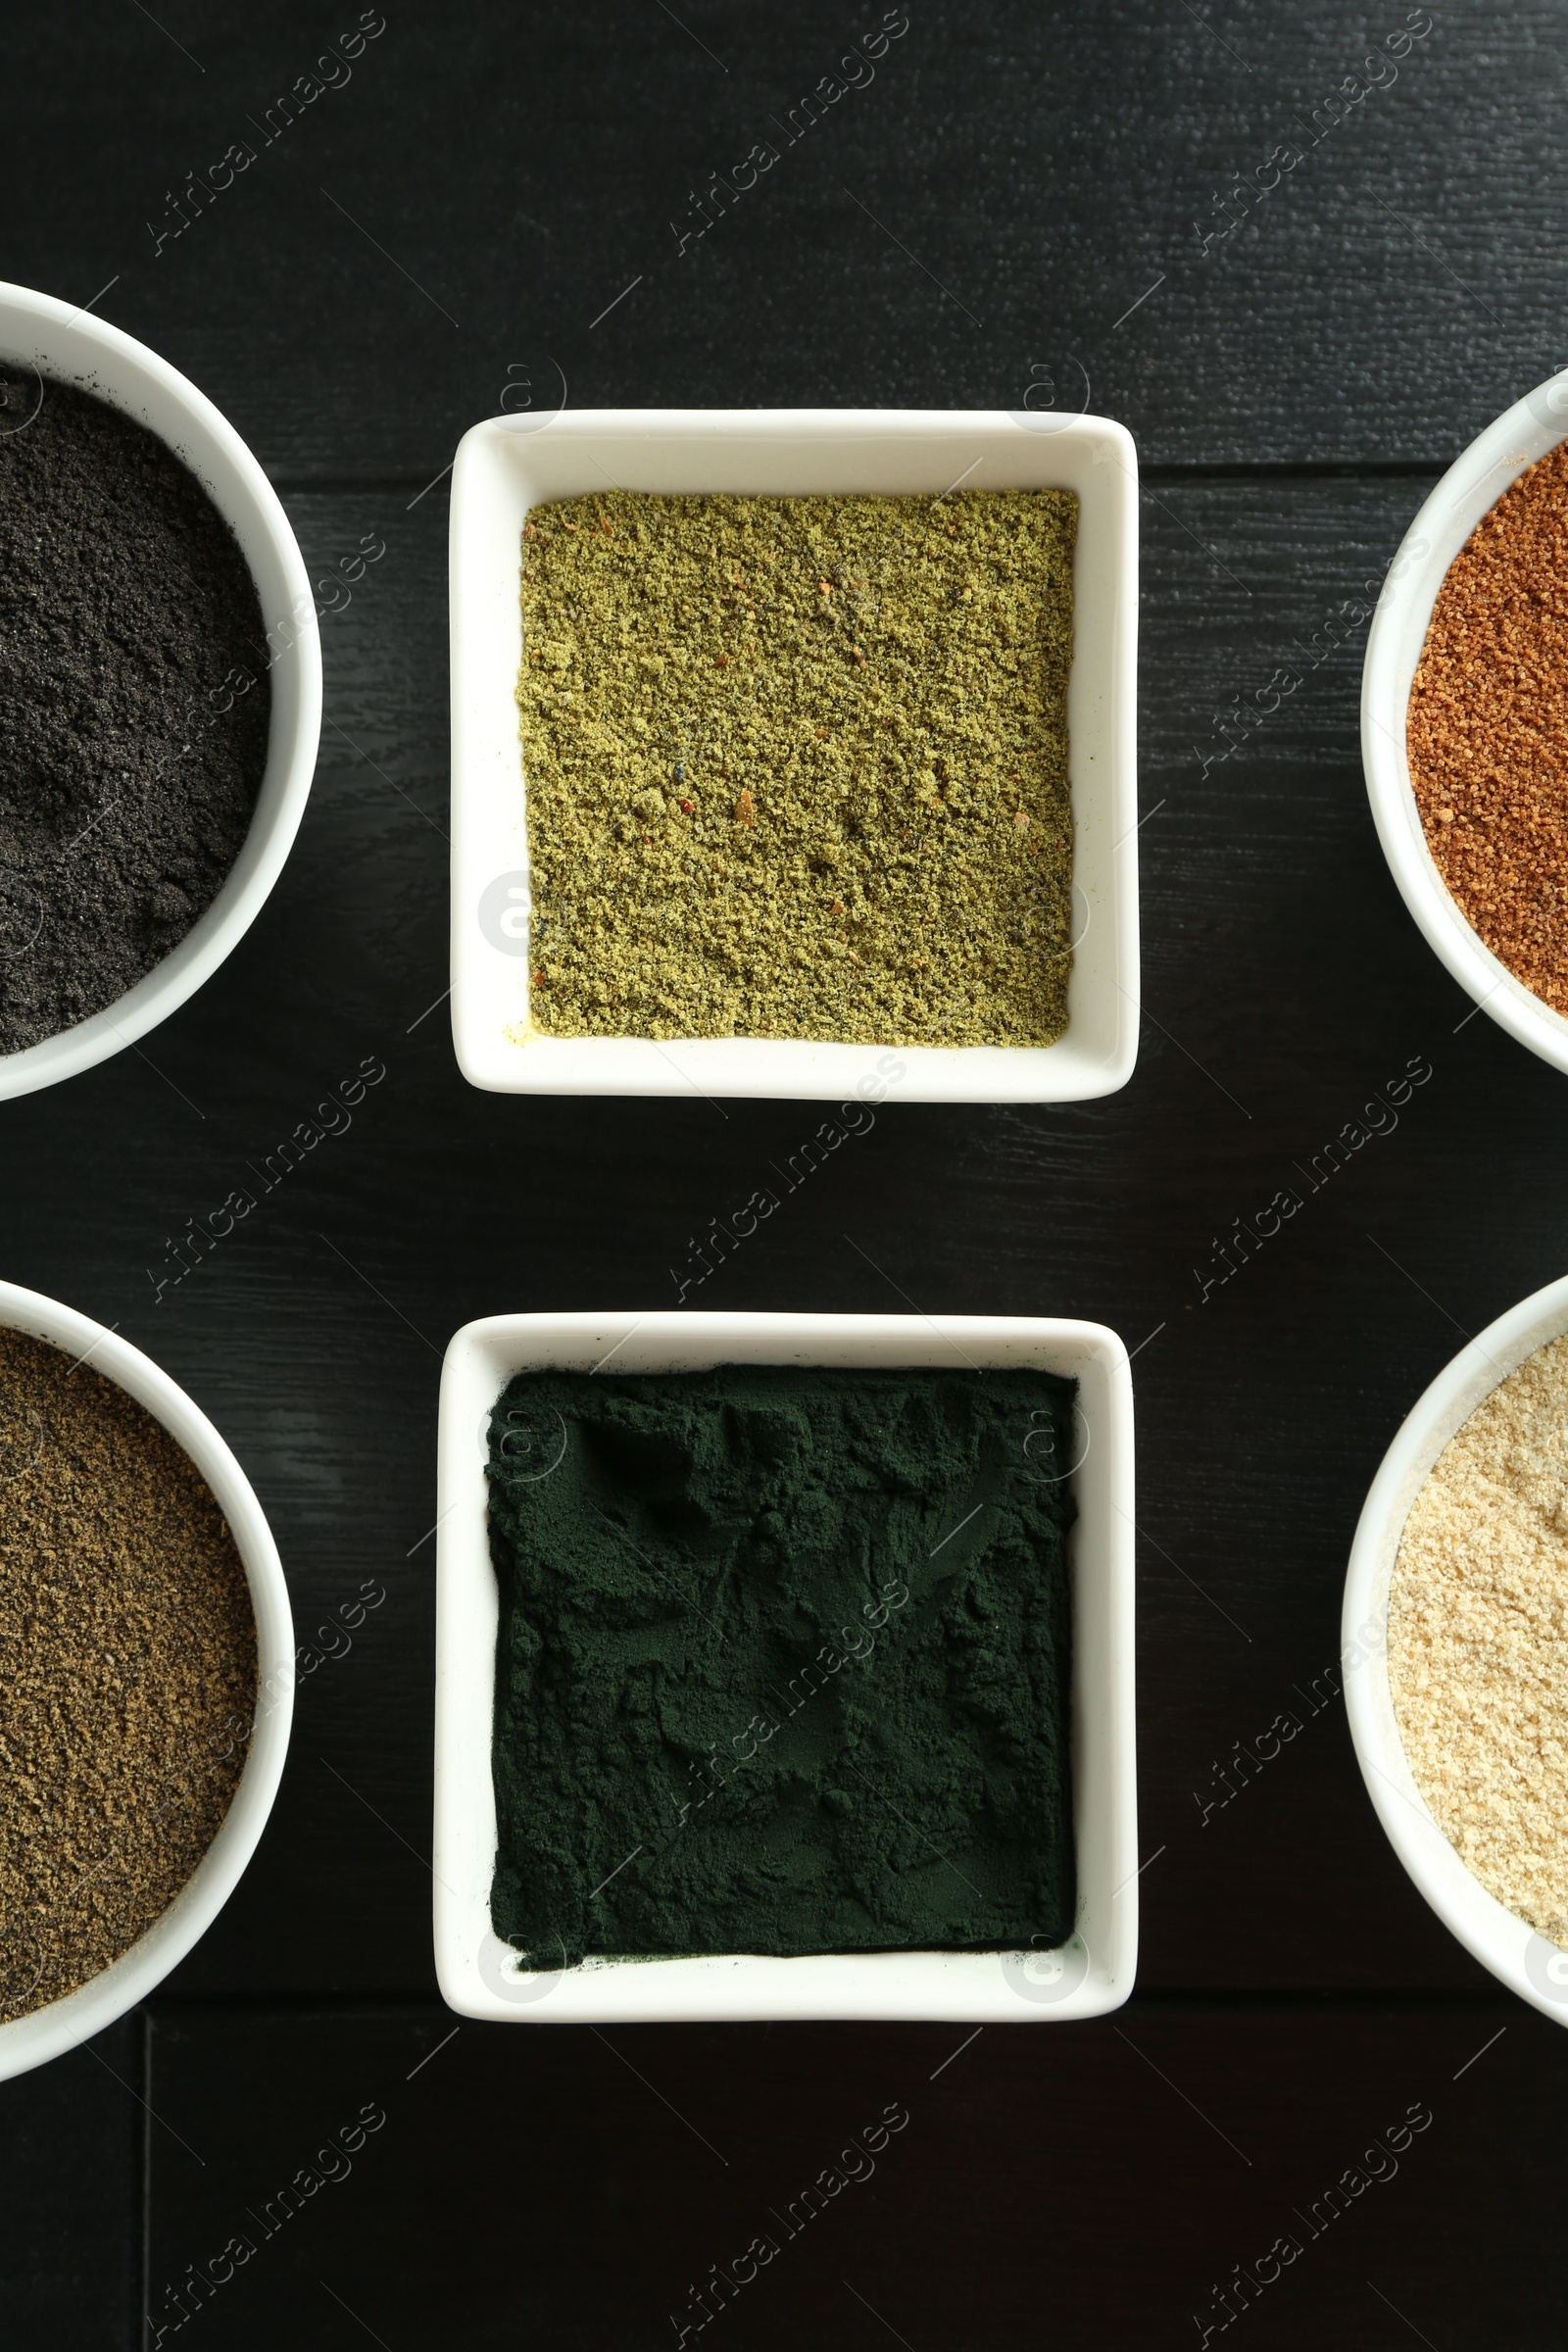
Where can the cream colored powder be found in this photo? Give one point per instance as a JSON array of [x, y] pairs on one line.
[[1478, 1642]]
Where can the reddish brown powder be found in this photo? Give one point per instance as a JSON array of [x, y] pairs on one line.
[[1488, 729]]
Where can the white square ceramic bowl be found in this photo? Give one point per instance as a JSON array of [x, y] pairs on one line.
[[1536, 1970], [507, 465], [1090, 1975], [1468, 491]]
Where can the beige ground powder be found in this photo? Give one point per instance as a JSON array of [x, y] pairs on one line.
[[1478, 1642]]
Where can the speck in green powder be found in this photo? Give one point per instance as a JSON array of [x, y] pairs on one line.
[[798, 766], [783, 1661]]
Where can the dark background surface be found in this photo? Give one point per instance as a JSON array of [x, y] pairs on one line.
[[487, 183]]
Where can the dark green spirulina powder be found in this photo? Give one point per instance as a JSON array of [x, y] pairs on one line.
[[783, 1661]]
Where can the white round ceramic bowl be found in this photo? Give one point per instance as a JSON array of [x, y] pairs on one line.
[[68, 344], [28, 2041], [1469, 489], [1536, 1970]]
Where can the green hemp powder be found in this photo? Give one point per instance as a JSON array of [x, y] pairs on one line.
[[798, 766], [783, 1661]]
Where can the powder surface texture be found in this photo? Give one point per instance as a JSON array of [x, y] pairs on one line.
[[1478, 1642], [783, 1662], [129, 755], [1488, 729], [798, 766], [128, 1671]]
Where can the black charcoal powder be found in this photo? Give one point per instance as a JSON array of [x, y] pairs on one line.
[[134, 704]]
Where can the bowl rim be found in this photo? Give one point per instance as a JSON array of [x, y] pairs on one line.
[[990, 1988], [222, 926], [1472, 485], [43, 2034], [1514, 1952], [491, 472]]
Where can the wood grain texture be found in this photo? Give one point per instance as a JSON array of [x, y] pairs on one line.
[[76, 2177], [1015, 191], [1010, 182], [1098, 2185]]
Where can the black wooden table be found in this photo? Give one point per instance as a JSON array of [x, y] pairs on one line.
[[1015, 197]]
